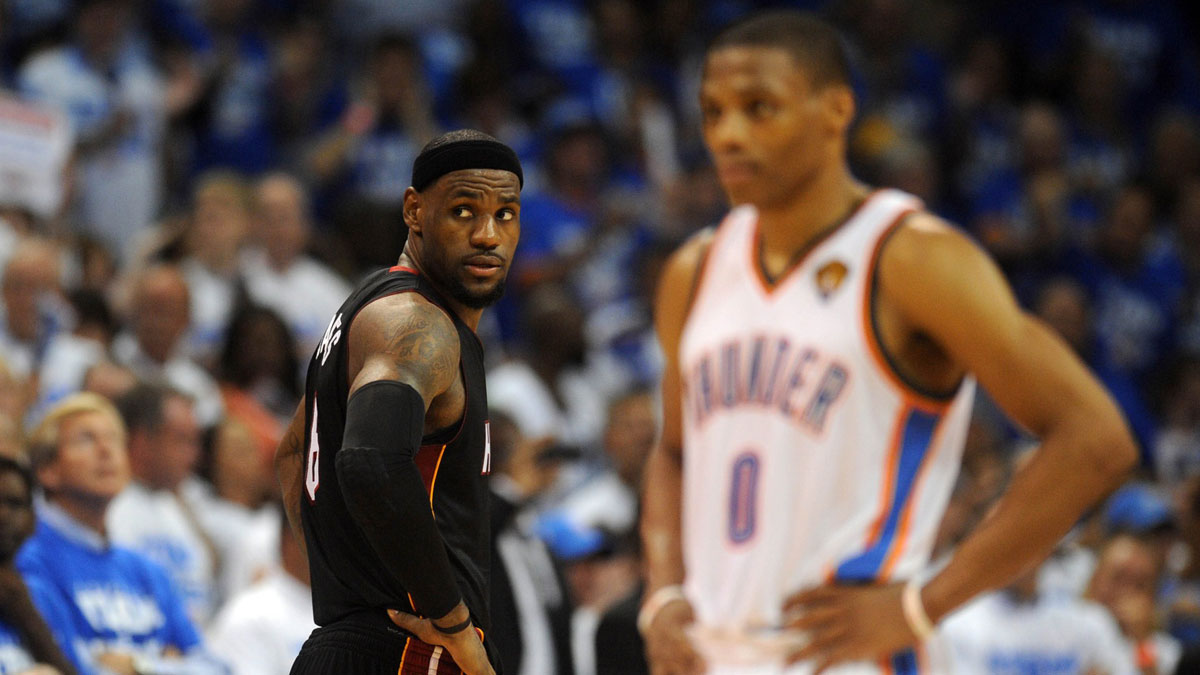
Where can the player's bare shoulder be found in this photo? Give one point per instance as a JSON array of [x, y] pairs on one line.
[[925, 252], [408, 338], [679, 281]]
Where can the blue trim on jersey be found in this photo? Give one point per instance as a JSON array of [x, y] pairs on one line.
[[915, 440], [905, 662]]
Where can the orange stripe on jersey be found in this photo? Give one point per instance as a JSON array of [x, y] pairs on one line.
[[906, 517], [403, 656], [889, 477], [428, 463], [911, 397]]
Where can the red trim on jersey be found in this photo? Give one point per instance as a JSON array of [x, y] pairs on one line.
[[402, 268], [429, 460], [418, 657]]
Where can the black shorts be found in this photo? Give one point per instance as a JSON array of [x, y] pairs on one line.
[[363, 646]]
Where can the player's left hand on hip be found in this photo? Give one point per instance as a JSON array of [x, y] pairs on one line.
[[848, 623]]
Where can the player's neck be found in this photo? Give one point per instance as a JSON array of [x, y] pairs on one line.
[[469, 315], [792, 226]]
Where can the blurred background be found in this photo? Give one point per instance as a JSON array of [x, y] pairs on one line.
[[190, 188]]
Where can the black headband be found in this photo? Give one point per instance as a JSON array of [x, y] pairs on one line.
[[434, 163]]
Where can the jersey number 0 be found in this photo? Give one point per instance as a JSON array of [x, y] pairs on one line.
[[743, 497]]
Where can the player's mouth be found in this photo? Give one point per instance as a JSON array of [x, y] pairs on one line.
[[485, 266], [736, 171]]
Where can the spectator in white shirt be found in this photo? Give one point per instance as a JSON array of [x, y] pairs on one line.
[[277, 271], [219, 225], [28, 288], [260, 630], [1016, 630], [1126, 582], [151, 515], [117, 102], [154, 349]]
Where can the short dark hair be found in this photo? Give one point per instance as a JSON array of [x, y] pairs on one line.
[[142, 408], [10, 465], [813, 42]]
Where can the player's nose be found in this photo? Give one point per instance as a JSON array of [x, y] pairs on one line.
[[728, 133], [486, 234]]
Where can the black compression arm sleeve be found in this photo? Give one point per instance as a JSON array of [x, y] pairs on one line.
[[383, 489]]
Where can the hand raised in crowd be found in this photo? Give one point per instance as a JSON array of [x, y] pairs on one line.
[[464, 645]]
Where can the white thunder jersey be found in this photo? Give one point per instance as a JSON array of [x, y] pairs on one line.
[[806, 460]]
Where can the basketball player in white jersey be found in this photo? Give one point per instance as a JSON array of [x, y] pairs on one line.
[[822, 349]]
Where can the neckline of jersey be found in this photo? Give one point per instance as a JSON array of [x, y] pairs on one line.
[[768, 287], [442, 304]]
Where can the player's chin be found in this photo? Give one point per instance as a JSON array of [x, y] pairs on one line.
[[740, 192], [483, 294]]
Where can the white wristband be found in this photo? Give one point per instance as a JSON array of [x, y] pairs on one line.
[[654, 604], [914, 611]]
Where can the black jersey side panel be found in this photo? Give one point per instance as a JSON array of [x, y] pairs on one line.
[[347, 575]]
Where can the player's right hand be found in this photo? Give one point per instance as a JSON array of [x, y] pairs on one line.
[[669, 650], [465, 646]]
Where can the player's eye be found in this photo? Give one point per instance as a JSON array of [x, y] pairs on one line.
[[505, 215], [463, 212], [760, 108]]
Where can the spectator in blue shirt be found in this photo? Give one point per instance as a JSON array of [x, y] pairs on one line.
[[1136, 281], [124, 615]]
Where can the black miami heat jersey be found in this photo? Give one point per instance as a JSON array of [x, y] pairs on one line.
[[347, 575]]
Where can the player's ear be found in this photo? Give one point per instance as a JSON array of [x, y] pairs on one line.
[[412, 209], [839, 107]]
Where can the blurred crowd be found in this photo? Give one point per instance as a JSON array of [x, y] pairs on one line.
[[190, 188]]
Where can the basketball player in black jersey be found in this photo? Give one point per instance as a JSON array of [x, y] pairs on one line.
[[383, 467]]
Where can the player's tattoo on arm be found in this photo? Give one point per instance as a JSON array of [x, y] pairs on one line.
[[418, 346], [423, 346]]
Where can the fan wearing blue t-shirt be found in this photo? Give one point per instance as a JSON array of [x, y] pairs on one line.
[[123, 614]]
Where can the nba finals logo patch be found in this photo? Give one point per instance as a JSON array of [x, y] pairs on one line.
[[830, 278]]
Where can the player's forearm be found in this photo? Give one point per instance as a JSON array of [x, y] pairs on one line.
[[662, 495], [386, 496], [289, 473], [1077, 465]]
